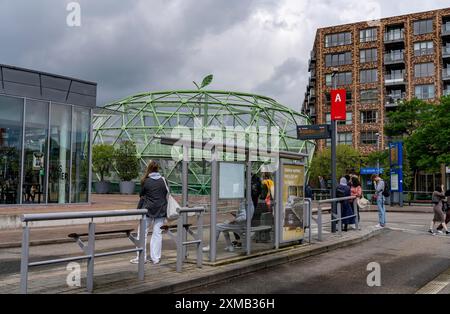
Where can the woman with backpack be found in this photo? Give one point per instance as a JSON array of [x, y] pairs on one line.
[[153, 197], [439, 217]]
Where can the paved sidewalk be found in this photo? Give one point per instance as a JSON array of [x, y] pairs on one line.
[[117, 275]]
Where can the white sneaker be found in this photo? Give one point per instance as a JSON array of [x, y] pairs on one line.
[[440, 232], [136, 261], [378, 226], [229, 248], [205, 249]]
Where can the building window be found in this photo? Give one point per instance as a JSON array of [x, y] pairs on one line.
[[348, 119], [332, 60], [423, 27], [367, 35], [424, 91], [11, 109], [368, 76], [423, 48], [343, 78], [424, 69], [345, 138], [369, 116], [368, 55], [369, 96], [339, 39], [369, 138]]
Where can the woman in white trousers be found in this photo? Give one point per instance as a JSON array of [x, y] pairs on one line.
[[153, 198]]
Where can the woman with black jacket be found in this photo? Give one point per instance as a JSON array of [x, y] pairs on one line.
[[153, 197]]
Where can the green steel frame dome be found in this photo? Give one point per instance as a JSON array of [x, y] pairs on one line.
[[143, 118]]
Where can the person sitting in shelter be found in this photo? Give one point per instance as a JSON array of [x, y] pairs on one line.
[[238, 224]]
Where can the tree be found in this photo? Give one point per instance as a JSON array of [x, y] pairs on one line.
[[347, 161], [102, 158], [127, 164]]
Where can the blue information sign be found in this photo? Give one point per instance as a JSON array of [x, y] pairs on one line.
[[396, 162]]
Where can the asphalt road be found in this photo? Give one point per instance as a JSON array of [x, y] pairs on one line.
[[409, 258]]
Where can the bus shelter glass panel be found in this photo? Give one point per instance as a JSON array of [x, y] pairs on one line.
[[36, 152], [59, 163], [11, 123], [292, 202], [80, 154]]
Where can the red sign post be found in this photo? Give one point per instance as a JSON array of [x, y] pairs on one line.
[[338, 109]]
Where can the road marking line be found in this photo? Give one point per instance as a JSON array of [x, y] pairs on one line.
[[437, 284]]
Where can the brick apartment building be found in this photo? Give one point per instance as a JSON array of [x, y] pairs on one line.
[[379, 63]]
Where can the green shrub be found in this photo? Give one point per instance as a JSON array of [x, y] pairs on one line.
[[102, 159], [127, 164]]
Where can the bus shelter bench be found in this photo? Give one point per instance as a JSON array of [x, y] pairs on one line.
[[126, 231], [262, 233]]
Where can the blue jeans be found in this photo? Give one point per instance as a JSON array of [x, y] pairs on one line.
[[381, 210]]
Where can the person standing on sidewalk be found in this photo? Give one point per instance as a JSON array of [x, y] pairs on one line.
[[356, 190], [154, 199], [439, 218], [379, 190]]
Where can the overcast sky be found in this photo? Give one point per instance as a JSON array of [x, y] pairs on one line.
[[133, 46]]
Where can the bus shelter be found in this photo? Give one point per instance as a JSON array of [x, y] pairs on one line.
[[287, 219]]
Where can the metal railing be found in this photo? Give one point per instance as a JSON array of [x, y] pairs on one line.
[[394, 78], [88, 249], [394, 35], [336, 217], [394, 56]]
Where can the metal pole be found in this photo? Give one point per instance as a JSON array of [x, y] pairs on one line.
[[319, 222], [180, 245], [249, 204], [185, 176], [277, 205], [91, 252], [213, 214], [333, 162], [141, 254], [355, 212], [200, 237], [24, 260], [339, 216]]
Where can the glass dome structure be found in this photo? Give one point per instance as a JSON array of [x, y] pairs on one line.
[[145, 117]]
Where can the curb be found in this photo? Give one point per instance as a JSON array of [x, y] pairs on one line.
[[252, 265]]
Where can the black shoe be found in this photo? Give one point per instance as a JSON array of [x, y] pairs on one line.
[[447, 232]]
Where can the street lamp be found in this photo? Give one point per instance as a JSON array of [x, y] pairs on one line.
[[378, 151]]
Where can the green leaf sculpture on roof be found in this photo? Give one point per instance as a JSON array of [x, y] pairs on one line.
[[206, 81]]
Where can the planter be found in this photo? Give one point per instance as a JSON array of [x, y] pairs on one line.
[[102, 187], [127, 187]]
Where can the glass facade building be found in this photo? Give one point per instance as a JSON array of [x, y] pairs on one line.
[[45, 137]]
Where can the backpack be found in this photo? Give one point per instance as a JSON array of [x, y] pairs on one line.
[[340, 191], [386, 192]]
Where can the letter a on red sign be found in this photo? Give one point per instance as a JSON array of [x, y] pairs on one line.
[[338, 109]]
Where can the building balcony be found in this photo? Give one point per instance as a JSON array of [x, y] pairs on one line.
[[394, 57], [394, 100], [446, 52], [445, 29], [446, 92], [446, 74], [394, 79], [394, 36]]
